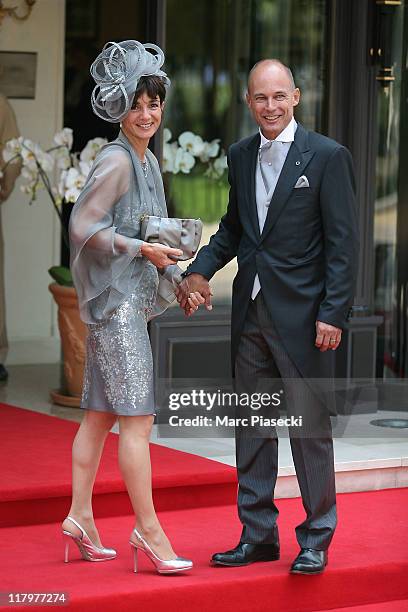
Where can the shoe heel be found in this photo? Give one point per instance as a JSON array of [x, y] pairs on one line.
[[89, 551], [66, 540], [134, 558], [163, 566]]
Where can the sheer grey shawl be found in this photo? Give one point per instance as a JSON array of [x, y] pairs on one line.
[[104, 230]]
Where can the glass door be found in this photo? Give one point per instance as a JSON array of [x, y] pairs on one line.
[[210, 47], [390, 279]]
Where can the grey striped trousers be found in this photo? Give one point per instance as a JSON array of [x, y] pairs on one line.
[[262, 359]]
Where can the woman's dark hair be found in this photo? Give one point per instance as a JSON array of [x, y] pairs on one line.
[[153, 86]]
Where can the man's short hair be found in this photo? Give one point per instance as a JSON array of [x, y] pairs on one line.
[[276, 62]]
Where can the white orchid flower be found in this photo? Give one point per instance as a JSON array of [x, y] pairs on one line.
[[220, 164], [28, 156], [64, 138], [184, 161], [210, 149], [191, 143], [91, 149], [45, 160], [33, 181], [71, 184], [217, 168], [61, 184], [166, 135], [74, 178], [27, 143], [72, 194], [31, 154], [169, 156], [186, 140], [63, 158], [12, 149]]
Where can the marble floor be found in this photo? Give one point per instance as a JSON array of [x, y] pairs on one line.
[[29, 386]]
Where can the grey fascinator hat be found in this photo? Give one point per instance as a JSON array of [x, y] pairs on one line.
[[116, 72]]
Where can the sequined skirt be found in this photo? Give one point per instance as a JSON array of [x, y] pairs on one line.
[[118, 375]]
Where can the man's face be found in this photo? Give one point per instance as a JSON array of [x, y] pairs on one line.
[[271, 99]]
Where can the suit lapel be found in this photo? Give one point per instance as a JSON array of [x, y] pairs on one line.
[[249, 156], [296, 161]]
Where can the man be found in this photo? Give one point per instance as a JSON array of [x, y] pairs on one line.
[[8, 176], [291, 222]]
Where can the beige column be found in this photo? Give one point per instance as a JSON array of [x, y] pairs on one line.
[[8, 130]]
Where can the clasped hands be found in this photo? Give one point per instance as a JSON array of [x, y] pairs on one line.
[[194, 290]]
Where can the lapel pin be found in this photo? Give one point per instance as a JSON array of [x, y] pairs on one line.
[[298, 163]]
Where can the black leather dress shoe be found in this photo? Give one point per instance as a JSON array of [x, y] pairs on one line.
[[309, 561], [244, 554], [3, 373]]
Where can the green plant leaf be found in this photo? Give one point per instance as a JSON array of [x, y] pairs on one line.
[[61, 275]]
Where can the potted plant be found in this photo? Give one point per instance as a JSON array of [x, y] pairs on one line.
[[69, 171]]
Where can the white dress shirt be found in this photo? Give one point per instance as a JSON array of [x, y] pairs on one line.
[[275, 161]]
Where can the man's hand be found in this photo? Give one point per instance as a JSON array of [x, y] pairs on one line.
[[193, 284], [327, 336]]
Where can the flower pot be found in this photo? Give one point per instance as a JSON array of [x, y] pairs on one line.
[[73, 337]]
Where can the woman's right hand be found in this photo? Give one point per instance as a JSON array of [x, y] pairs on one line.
[[159, 254]]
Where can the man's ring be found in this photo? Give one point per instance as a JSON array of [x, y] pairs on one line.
[[332, 340]]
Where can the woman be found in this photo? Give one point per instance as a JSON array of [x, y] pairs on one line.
[[117, 281]]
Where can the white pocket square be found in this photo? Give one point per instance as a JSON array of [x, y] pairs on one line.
[[302, 182]]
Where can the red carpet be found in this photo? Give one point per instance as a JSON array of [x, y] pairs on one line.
[[389, 606], [361, 569], [368, 562], [35, 455]]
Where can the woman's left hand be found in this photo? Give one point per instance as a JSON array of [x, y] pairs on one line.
[[194, 300]]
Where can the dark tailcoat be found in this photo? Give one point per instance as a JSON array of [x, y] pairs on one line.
[[306, 255]]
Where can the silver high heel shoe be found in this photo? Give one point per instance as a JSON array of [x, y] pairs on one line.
[[169, 566], [87, 548]]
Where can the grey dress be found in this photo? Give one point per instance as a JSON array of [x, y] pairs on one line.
[[118, 289]]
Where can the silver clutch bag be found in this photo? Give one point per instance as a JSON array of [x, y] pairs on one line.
[[183, 234]]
